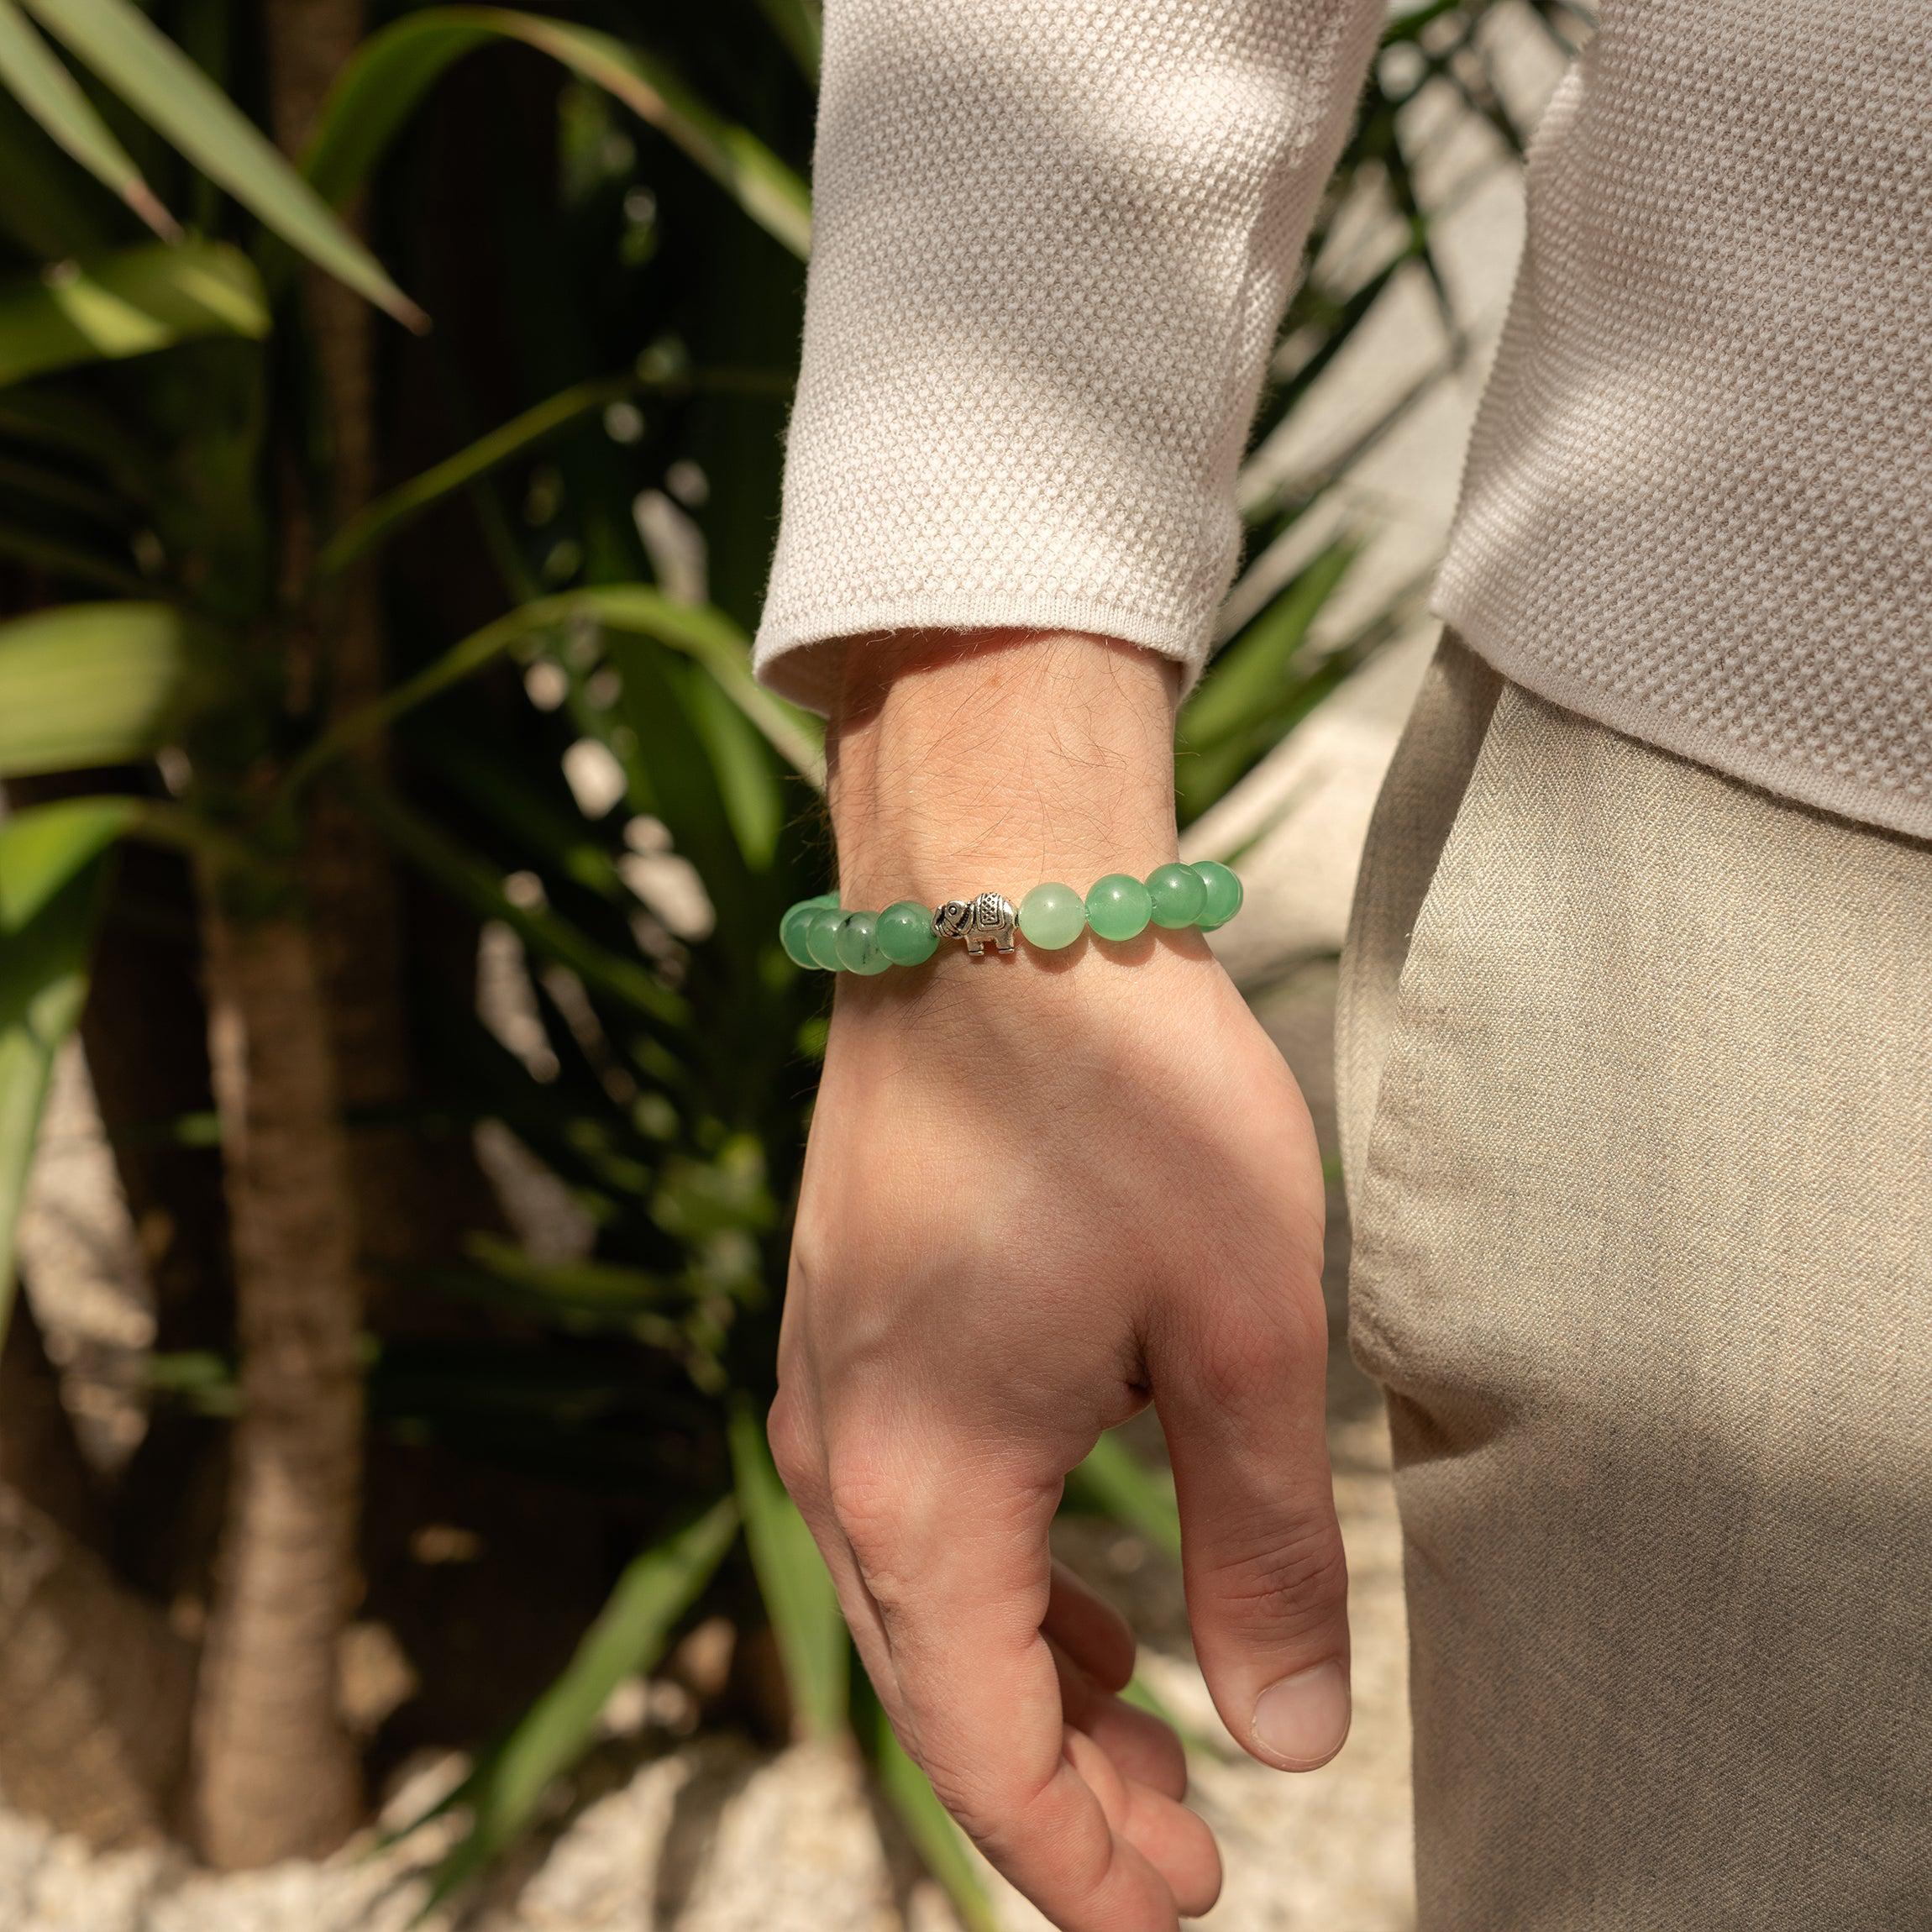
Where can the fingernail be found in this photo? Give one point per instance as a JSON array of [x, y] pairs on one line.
[[1304, 1717]]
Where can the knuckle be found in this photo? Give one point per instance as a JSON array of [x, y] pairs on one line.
[[1255, 1356], [1228, 1379], [794, 1448], [999, 1813], [1289, 1325], [864, 1494], [972, 1804]]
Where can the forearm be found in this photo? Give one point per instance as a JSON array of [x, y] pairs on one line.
[[994, 760]]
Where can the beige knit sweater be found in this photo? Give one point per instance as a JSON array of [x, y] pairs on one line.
[[1054, 241]]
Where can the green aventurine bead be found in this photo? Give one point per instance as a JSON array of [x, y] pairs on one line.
[[1177, 894], [1119, 908], [822, 937], [905, 935], [1051, 917], [858, 944], [791, 931], [1223, 894]]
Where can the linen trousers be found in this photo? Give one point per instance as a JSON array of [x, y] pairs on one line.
[[1635, 1065]]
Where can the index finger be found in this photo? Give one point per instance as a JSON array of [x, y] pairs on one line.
[[952, 1550]]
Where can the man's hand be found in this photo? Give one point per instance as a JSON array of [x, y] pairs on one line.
[[1041, 1191]]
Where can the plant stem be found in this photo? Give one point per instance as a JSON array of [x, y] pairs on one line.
[[274, 1773]]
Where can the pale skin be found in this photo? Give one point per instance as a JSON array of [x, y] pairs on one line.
[[1042, 1192]]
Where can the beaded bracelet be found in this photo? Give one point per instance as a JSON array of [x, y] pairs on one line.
[[820, 932]]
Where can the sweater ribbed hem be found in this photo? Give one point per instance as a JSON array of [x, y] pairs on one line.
[[1793, 779], [793, 654]]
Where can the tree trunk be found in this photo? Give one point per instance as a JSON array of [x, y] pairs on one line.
[[94, 1688], [347, 870], [276, 1775], [306, 1025]]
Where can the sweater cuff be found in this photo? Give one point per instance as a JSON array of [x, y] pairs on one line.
[[1052, 246], [804, 666]]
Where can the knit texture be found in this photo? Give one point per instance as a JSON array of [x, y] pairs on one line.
[[1054, 241], [1051, 242], [1698, 507]]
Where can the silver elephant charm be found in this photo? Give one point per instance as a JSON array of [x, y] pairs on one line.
[[976, 920]]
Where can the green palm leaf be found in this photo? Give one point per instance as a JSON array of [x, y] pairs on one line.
[[50, 860], [99, 684], [503, 1791], [70, 564], [940, 1843], [796, 1587], [1259, 684], [391, 512], [1114, 1480], [162, 84], [475, 882], [85, 429], [394, 69], [800, 24], [131, 303], [469, 464], [33, 73], [697, 631]]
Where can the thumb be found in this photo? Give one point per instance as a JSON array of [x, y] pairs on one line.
[[1242, 1402]]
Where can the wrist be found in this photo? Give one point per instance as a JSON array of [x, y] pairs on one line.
[[994, 760]]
